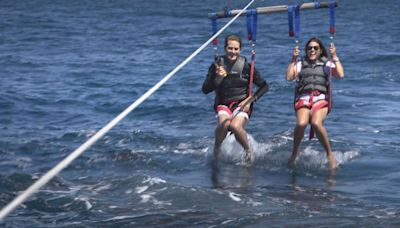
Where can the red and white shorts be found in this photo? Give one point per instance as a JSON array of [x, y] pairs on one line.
[[311, 101], [231, 112]]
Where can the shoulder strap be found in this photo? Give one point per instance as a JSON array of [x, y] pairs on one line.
[[304, 63], [253, 56], [238, 66]]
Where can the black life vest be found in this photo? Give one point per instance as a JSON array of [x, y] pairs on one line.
[[234, 87], [312, 77]]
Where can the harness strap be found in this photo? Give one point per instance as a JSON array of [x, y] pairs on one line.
[[332, 30], [214, 27], [253, 56], [316, 4], [255, 19], [332, 27], [252, 39], [330, 88], [248, 24], [297, 22], [251, 24], [290, 20]]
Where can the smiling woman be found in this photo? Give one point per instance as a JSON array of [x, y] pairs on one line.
[[68, 67], [312, 97]]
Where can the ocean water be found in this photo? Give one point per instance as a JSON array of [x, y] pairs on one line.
[[69, 67]]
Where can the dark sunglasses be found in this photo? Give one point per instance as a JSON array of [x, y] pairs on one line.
[[309, 48]]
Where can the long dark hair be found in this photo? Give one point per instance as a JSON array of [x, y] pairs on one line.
[[321, 46]]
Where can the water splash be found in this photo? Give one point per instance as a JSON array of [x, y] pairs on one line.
[[274, 152]]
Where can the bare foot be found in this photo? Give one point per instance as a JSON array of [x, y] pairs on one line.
[[249, 157], [332, 161]]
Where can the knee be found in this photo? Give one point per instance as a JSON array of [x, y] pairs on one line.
[[234, 127], [316, 124], [224, 125], [301, 124]]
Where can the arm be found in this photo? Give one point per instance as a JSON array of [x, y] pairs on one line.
[[262, 89], [208, 84], [214, 78], [338, 71], [291, 71], [261, 84]]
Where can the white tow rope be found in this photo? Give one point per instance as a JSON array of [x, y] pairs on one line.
[[64, 163]]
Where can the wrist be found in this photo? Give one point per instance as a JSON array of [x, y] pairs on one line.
[[222, 75], [335, 59]]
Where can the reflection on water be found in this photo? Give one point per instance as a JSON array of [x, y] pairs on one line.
[[229, 176], [296, 174]]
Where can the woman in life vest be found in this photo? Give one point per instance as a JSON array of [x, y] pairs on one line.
[[312, 93], [229, 77]]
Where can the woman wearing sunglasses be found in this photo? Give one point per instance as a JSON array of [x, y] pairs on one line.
[[312, 93]]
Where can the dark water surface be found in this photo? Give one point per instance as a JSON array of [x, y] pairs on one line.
[[69, 67]]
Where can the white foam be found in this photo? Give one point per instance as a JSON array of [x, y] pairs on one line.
[[149, 196], [104, 187], [88, 205], [187, 148], [369, 129], [141, 189], [153, 180], [86, 201], [145, 198], [253, 203], [275, 152], [316, 158], [231, 150], [234, 196]]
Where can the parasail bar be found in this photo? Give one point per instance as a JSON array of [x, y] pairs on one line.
[[270, 9]]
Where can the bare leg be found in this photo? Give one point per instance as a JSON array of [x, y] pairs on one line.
[[220, 134], [303, 116], [317, 123], [237, 128]]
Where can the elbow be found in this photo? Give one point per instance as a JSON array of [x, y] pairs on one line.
[[289, 77], [266, 86], [340, 74], [206, 90], [263, 87], [203, 89]]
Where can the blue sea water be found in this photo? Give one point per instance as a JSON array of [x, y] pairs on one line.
[[69, 67]]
